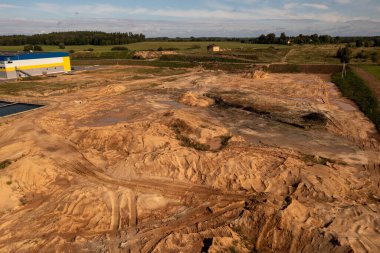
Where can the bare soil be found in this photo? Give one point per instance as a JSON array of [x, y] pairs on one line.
[[199, 161]]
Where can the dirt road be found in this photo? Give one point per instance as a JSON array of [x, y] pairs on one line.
[[373, 82]]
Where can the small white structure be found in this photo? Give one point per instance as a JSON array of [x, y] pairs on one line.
[[213, 48]]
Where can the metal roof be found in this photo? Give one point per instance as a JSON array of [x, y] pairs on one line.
[[13, 56]]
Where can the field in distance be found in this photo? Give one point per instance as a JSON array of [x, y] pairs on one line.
[[295, 54]]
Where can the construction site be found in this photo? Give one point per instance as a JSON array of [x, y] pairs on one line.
[[146, 159]]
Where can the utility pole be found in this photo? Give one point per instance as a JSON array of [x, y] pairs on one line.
[[344, 71]]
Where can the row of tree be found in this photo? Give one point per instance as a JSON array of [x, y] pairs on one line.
[[72, 38], [271, 38]]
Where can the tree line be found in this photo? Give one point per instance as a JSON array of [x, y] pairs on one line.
[[271, 38], [72, 38]]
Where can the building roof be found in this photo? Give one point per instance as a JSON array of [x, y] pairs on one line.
[[13, 56]]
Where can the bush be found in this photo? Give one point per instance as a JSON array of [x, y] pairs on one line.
[[28, 48], [72, 51], [354, 88], [344, 54], [61, 45], [200, 58], [374, 57], [361, 55], [167, 49], [119, 48], [195, 46], [90, 49]]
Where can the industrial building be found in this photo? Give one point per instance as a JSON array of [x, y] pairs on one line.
[[24, 64]]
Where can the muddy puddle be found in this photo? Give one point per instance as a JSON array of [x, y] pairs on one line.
[[127, 109]]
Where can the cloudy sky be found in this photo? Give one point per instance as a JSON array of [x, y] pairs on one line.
[[243, 18]]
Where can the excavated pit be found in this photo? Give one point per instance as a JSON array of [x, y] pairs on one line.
[[204, 162]]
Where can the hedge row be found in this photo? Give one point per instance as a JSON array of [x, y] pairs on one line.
[[354, 88]]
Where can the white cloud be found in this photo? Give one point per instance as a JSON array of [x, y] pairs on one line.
[[343, 1], [105, 10], [48, 7], [8, 6], [317, 6], [198, 28], [289, 6]]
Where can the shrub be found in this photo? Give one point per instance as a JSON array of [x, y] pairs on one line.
[[187, 142], [224, 140], [72, 51], [90, 49], [199, 58], [195, 46], [344, 54], [167, 49], [119, 48], [180, 127], [61, 45], [354, 88], [374, 57], [32, 48], [359, 43], [361, 55]]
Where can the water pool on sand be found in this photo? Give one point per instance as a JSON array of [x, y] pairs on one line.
[[6, 110]]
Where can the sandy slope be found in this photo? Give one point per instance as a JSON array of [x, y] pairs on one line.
[[203, 161]]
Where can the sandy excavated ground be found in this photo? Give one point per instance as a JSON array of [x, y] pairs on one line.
[[199, 162]]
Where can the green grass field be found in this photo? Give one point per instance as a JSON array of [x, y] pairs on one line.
[[152, 45], [255, 53], [310, 54], [372, 69]]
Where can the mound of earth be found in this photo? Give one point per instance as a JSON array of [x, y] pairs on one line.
[[189, 98], [152, 54], [259, 74]]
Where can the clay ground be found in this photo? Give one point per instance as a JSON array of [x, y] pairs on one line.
[[199, 161]]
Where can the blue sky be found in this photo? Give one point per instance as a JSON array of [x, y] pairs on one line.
[[193, 18]]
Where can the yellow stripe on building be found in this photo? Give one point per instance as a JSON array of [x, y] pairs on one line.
[[41, 66], [66, 64]]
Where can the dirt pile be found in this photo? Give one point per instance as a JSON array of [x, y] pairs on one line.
[[189, 98], [131, 169], [259, 74], [152, 54]]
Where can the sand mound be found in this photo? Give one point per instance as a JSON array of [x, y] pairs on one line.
[[152, 54], [259, 74], [191, 99]]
